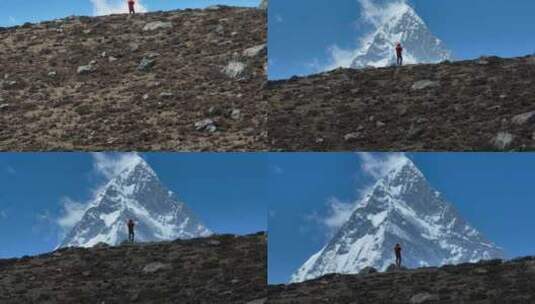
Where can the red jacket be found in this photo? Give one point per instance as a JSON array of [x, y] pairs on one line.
[[399, 50]]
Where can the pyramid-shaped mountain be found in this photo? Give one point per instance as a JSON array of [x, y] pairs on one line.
[[402, 25], [135, 193], [401, 208]]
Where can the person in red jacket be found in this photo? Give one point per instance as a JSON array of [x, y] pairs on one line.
[[130, 225], [131, 7], [397, 250], [399, 53]]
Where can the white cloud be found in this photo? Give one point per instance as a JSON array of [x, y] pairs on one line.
[[72, 212], [111, 164], [337, 212], [107, 7], [378, 164], [12, 20]]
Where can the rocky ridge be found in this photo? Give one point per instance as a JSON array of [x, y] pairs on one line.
[[219, 269], [485, 282], [482, 104], [177, 80]]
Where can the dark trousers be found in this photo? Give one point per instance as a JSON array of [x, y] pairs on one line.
[[131, 236], [398, 260], [400, 60], [131, 9]]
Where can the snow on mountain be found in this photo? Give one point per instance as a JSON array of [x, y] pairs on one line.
[[401, 208], [399, 22], [135, 193]]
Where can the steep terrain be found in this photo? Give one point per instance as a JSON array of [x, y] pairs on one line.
[[401, 24], [135, 193], [483, 104], [177, 80], [487, 282], [220, 269], [401, 208]]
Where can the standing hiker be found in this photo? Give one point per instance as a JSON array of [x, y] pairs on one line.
[[399, 53], [131, 7], [397, 250], [130, 225]]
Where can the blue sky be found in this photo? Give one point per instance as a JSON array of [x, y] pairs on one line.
[[302, 31], [227, 192], [14, 12], [493, 191]]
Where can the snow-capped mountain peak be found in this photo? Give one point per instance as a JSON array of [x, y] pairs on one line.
[[399, 23], [401, 208], [134, 193]]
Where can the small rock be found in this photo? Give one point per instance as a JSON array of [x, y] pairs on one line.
[[151, 26], [52, 74], [352, 136], [146, 64], [85, 69], [258, 301], [502, 140], [166, 94], [234, 281], [480, 271], [214, 243], [424, 84], [380, 124], [254, 51], [4, 106], [319, 140], [156, 266], [205, 124], [235, 114], [423, 298], [525, 118], [86, 273], [103, 54], [145, 96], [234, 69], [112, 59]]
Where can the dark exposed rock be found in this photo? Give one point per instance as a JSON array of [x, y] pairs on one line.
[[465, 105], [104, 109], [182, 271], [488, 282]]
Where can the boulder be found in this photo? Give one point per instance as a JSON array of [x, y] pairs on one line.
[[234, 69], [424, 84], [367, 270], [502, 140], [423, 298], [146, 64], [525, 118], [156, 266], [155, 25], [254, 51]]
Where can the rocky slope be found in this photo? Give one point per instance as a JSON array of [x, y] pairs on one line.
[[220, 269], [178, 80], [403, 208], [480, 283], [483, 104]]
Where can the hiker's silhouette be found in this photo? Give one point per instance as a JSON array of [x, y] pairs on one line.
[[131, 9], [130, 225], [399, 53], [397, 250]]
